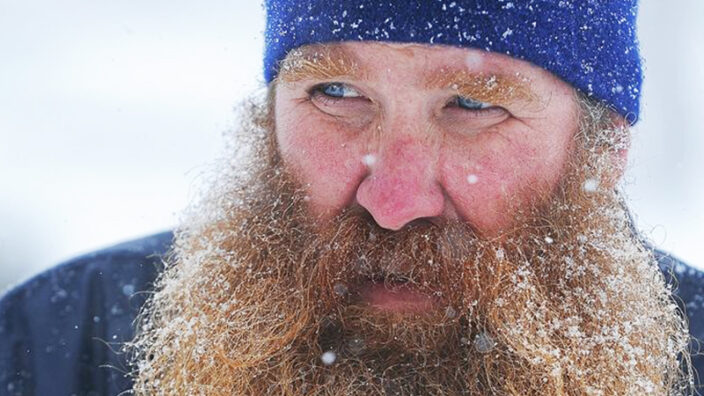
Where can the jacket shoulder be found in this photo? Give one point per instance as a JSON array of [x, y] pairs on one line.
[[688, 287], [61, 331]]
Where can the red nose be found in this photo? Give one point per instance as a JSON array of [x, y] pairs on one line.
[[401, 186]]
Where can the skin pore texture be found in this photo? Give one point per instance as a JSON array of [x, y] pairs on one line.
[[411, 220]]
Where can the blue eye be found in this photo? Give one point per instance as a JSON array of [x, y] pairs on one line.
[[470, 104], [337, 90]]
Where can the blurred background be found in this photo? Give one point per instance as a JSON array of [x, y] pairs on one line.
[[109, 111]]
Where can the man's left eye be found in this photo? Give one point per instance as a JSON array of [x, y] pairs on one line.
[[470, 104]]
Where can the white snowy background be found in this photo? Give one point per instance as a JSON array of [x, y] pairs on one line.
[[109, 111]]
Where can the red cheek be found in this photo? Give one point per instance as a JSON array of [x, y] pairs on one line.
[[487, 190], [328, 166]]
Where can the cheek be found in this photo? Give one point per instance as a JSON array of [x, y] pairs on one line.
[[326, 161], [494, 175]]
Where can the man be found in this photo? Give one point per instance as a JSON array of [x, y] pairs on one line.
[[426, 205]]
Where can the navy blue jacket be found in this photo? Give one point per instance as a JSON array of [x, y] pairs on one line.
[[60, 332]]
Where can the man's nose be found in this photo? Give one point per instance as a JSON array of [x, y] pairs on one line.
[[402, 185]]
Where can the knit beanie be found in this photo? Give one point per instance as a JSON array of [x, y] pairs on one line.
[[590, 44]]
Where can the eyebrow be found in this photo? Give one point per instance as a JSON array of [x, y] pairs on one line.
[[497, 89], [323, 62], [319, 62]]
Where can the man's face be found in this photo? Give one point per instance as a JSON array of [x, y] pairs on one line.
[[422, 132], [413, 220]]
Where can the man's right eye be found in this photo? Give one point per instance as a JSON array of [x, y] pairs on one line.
[[335, 90], [343, 102]]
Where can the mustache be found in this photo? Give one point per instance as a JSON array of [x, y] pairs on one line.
[[432, 256]]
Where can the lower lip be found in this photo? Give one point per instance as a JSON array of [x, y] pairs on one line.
[[395, 299]]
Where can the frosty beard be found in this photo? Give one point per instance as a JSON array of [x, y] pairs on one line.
[[255, 292]]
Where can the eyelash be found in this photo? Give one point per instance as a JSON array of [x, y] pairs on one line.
[[318, 92], [486, 110]]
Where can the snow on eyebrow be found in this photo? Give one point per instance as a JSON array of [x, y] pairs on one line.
[[319, 62], [497, 89]]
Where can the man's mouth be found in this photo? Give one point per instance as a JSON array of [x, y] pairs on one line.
[[394, 295]]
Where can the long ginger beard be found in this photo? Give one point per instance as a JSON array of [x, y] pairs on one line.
[[257, 298]]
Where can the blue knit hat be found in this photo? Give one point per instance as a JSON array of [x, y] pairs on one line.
[[590, 44]]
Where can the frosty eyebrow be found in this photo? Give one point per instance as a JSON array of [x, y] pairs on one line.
[[322, 62], [319, 62], [497, 89]]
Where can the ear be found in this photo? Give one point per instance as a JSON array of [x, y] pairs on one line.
[[622, 143]]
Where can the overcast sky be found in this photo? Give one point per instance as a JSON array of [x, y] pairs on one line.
[[109, 111]]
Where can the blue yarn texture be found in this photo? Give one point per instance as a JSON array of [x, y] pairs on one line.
[[590, 44]]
